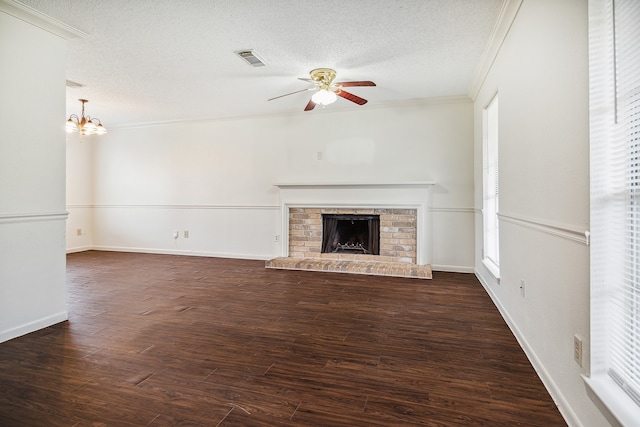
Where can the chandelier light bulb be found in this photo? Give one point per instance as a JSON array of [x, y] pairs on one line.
[[71, 126], [100, 130], [89, 128]]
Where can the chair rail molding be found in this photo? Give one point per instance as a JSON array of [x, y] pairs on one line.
[[569, 232], [32, 216]]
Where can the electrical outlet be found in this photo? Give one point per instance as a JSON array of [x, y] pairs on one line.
[[79, 232], [276, 238], [176, 234], [186, 234], [577, 349]]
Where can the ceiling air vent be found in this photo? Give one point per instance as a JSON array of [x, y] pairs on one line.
[[251, 58], [71, 83]]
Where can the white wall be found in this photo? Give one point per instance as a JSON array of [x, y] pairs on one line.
[[79, 186], [541, 76], [210, 177], [32, 171]]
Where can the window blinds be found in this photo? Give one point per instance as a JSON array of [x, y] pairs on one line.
[[615, 191], [625, 336]]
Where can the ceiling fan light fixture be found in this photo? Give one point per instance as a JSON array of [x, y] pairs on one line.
[[324, 97], [326, 91]]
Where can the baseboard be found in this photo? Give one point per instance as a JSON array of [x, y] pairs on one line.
[[79, 249], [561, 402], [33, 326], [259, 257], [452, 268]]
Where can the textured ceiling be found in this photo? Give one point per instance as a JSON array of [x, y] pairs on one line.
[[162, 60]]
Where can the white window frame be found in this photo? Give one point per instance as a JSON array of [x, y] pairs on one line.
[[490, 189], [614, 379]]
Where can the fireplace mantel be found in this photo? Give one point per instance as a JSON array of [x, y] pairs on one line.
[[360, 195]]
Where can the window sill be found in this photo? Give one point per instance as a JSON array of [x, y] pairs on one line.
[[493, 269], [617, 407]]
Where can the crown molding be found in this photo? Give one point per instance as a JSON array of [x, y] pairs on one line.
[[414, 103], [504, 22], [354, 185], [40, 20]]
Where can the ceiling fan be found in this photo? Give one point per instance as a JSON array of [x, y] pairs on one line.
[[326, 90]]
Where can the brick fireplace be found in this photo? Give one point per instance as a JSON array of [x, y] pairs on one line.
[[404, 227], [397, 234]]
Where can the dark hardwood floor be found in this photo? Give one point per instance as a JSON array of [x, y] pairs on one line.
[[160, 340]]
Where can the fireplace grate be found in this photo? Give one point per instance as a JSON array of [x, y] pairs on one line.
[[351, 233]]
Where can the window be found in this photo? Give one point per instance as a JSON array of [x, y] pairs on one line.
[[614, 51], [491, 249]]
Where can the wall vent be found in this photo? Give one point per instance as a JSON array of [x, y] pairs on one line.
[[251, 58]]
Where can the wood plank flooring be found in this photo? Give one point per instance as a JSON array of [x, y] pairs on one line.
[[161, 340]]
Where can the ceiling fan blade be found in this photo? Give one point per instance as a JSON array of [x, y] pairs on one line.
[[308, 80], [287, 94], [351, 97], [358, 83], [310, 106]]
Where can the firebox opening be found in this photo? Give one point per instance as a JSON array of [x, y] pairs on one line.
[[357, 234]]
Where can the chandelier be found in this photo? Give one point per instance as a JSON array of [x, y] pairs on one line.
[[85, 125]]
